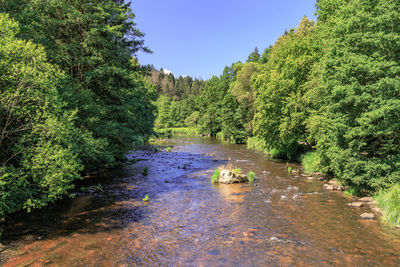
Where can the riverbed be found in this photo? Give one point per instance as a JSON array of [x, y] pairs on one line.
[[281, 220]]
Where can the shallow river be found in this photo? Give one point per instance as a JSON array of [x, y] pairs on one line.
[[281, 220]]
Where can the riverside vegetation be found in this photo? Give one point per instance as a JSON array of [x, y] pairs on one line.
[[74, 99]]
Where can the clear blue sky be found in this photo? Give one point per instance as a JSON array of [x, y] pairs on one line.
[[200, 37]]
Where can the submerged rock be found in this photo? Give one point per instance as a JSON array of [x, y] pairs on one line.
[[367, 216], [366, 199], [228, 177], [356, 204]]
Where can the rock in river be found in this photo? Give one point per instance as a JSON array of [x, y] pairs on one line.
[[228, 177], [366, 199], [367, 216], [355, 204]]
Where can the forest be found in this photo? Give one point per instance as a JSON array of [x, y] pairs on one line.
[[74, 98]]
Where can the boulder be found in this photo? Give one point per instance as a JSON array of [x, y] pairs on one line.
[[366, 199], [367, 216], [228, 177]]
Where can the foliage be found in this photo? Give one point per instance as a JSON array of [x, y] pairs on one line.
[[389, 201], [72, 97], [39, 145], [280, 114], [146, 198], [184, 131], [168, 149], [215, 177], [237, 171], [311, 162], [358, 124], [251, 176]]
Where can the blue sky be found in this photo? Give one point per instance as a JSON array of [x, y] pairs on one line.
[[200, 37]]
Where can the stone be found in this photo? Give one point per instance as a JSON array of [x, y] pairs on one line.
[[366, 199], [329, 187], [356, 204], [373, 202], [228, 177], [367, 216], [377, 210], [398, 227]]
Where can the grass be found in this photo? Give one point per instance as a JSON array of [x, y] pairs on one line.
[[181, 131], [311, 162], [168, 149], [146, 198], [389, 202], [251, 175], [237, 171], [145, 171], [215, 177], [289, 169]]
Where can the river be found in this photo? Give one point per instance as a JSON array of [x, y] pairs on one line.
[[281, 220]]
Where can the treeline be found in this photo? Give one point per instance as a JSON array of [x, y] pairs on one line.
[[177, 98], [329, 90], [73, 99]]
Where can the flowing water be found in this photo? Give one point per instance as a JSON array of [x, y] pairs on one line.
[[281, 220]]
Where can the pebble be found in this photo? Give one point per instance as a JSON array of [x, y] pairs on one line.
[[367, 216], [398, 227]]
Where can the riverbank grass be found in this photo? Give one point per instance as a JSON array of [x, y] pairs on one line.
[[389, 202], [181, 131]]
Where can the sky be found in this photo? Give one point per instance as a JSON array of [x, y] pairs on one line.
[[199, 38]]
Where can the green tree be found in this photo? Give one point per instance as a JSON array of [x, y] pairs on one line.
[[357, 127], [39, 145], [254, 56], [280, 85]]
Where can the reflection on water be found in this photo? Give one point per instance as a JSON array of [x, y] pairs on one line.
[[281, 220]]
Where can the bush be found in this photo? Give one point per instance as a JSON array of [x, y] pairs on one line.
[[237, 171], [311, 162], [215, 177], [389, 201]]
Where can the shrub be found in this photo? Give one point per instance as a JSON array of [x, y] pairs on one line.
[[215, 177], [237, 171], [251, 175], [389, 201], [311, 162]]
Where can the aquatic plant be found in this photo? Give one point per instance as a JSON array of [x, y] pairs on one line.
[[145, 171], [146, 198], [168, 149], [289, 169], [215, 177], [251, 175], [237, 171]]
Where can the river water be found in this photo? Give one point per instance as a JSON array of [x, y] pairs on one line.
[[281, 220]]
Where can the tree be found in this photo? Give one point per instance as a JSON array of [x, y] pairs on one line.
[[254, 56], [280, 85], [357, 126], [39, 145]]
